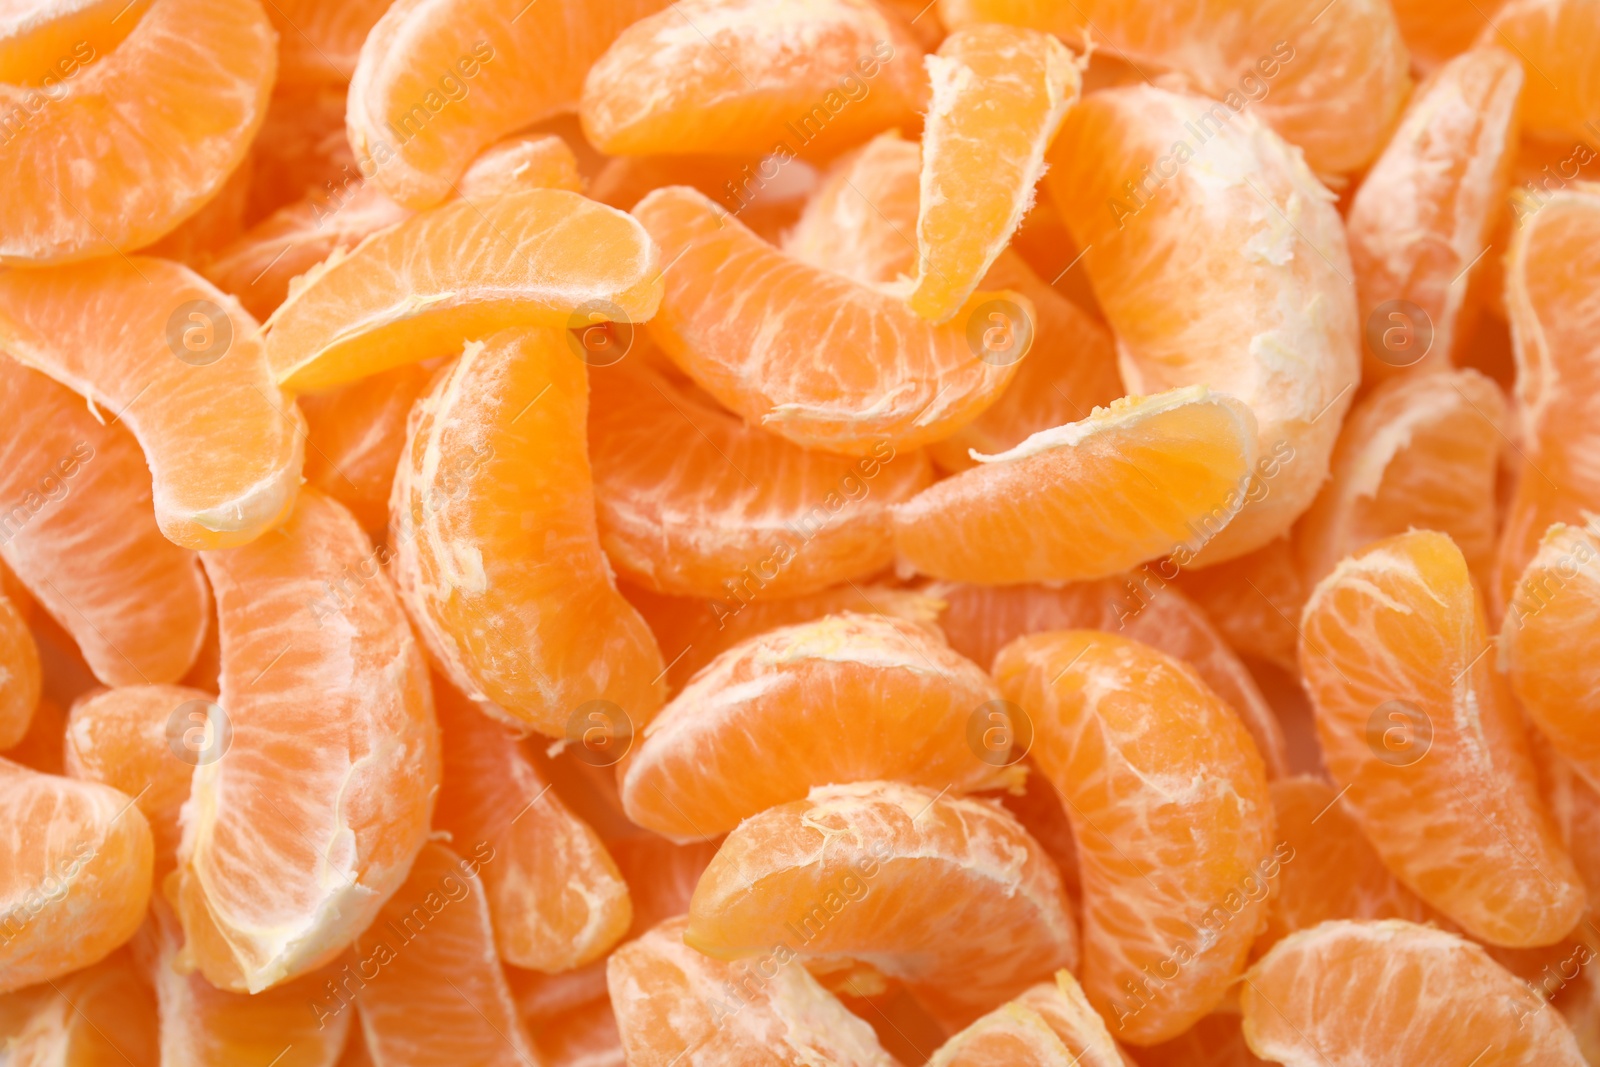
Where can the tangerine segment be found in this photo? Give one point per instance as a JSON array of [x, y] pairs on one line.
[[1331, 82], [981, 620], [1559, 42], [756, 76], [1421, 453], [999, 94], [438, 81], [1132, 482], [101, 1016], [522, 161], [1009, 1036], [1404, 983], [319, 42], [861, 220], [693, 501], [859, 871], [1255, 600], [20, 680], [846, 698], [437, 996], [328, 779], [40, 748], [81, 534], [76, 876], [1231, 206], [1436, 30], [671, 1007], [1419, 728], [498, 555], [465, 269], [177, 360], [1153, 767], [804, 353], [357, 433], [1065, 1008], [556, 897], [132, 128]]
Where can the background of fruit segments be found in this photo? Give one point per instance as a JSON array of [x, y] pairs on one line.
[[598, 532]]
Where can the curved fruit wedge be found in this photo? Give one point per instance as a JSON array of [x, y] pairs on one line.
[[752, 76], [41, 747], [101, 1016], [1403, 983], [1420, 454], [329, 776], [862, 219], [1170, 810], [1231, 207], [20, 679], [437, 996], [318, 41], [1425, 211], [847, 698], [438, 81], [999, 94], [675, 1005], [522, 161], [854, 871], [498, 554], [805, 353], [1436, 30], [1051, 1025], [1254, 600], [463, 270], [1331, 81], [84, 540], [355, 437], [693, 501], [117, 133], [176, 360], [1419, 729], [76, 878], [554, 893], [1144, 478], [1559, 43]]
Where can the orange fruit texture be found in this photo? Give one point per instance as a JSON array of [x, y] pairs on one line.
[[1254, 599], [97, 1017], [1051, 1025], [1436, 30], [318, 43], [20, 678], [1414, 719], [1558, 42]]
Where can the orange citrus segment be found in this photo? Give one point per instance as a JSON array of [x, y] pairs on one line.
[[137, 126], [1405, 984], [1225, 205], [523, 161], [861, 220], [1419, 729], [805, 353], [101, 1016], [846, 698], [174, 358], [1435, 30], [356, 435], [1214, 1041], [319, 41], [218, 221], [1065, 1008], [1254, 599], [854, 872], [1132, 482], [332, 758], [75, 878], [19, 674], [999, 94], [1051, 1025], [41, 747], [1559, 43]]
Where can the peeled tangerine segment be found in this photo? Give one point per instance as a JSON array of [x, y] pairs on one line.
[[101, 1016], [465, 269], [1330, 81], [999, 94], [355, 437], [676, 1006], [1348, 994], [334, 756], [438, 81], [805, 353], [116, 134], [1051, 1025], [1558, 41], [1418, 728], [76, 877], [84, 538], [1170, 811], [174, 358], [318, 42], [864, 872], [1425, 212], [693, 500], [752, 76], [498, 554], [19, 666], [557, 898], [847, 698], [1227, 206], [1135, 481]]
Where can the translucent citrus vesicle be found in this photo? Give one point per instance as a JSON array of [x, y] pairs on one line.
[[692, 500], [331, 756], [807, 354], [847, 698], [856, 871], [1170, 810], [1220, 202], [1559, 43], [19, 671], [1404, 983], [1051, 1025], [861, 219], [101, 1016], [1135, 481], [356, 435], [440, 80], [1421, 732], [522, 161], [121, 123], [172, 357]]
